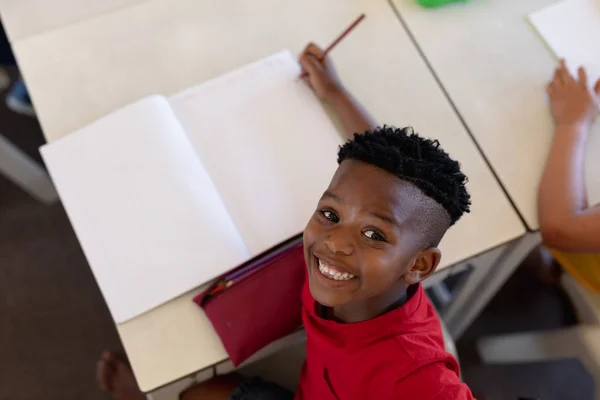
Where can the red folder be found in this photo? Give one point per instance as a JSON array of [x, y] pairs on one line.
[[259, 302]]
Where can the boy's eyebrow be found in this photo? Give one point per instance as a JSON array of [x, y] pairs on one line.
[[331, 196], [385, 218]]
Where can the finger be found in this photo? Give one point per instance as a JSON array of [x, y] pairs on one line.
[[563, 72], [303, 65], [562, 63], [552, 87], [597, 87], [314, 50], [583, 79], [103, 375], [555, 77], [310, 64], [108, 356], [307, 68]]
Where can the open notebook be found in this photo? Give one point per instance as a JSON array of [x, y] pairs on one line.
[[571, 28], [168, 193]]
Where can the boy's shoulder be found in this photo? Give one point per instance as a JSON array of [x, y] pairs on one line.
[[411, 338], [418, 332], [415, 364], [411, 364], [418, 364]]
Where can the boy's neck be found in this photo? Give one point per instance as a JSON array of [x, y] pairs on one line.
[[368, 309]]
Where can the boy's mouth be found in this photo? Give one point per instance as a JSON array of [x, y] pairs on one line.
[[331, 272]]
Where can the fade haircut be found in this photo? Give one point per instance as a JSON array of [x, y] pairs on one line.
[[421, 162]]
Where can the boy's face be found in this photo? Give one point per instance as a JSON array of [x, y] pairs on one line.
[[362, 242]]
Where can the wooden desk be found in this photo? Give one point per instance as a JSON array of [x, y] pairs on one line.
[[83, 71], [495, 67]]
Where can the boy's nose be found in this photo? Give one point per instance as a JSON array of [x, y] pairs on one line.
[[339, 242]]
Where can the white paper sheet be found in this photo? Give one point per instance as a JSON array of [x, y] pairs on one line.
[[267, 143], [145, 211], [571, 28]]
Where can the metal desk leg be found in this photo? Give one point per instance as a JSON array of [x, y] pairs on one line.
[[24, 172], [492, 269]]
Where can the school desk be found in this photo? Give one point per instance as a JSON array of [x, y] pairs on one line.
[[494, 68], [85, 65]]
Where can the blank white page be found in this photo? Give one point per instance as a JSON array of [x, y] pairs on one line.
[[571, 29], [267, 143], [146, 213]]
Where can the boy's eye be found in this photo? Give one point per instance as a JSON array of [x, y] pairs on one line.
[[330, 215], [374, 235]]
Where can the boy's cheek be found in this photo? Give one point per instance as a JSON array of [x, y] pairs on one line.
[[310, 233]]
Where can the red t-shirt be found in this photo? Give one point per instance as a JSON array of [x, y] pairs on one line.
[[398, 355]]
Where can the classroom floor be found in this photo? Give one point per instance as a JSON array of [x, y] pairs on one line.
[[525, 303], [55, 322]]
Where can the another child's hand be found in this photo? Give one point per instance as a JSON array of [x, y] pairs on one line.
[[571, 100], [319, 75]]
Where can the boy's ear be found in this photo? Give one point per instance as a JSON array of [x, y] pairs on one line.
[[424, 265]]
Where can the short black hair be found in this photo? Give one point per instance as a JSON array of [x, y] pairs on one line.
[[417, 160]]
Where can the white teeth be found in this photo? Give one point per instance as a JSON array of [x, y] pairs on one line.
[[330, 272]]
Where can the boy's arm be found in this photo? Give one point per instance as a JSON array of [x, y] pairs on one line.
[[566, 222], [353, 117], [321, 77]]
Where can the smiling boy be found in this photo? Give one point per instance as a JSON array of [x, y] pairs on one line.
[[371, 331]]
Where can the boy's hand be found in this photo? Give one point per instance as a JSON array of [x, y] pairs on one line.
[[571, 101], [319, 75]]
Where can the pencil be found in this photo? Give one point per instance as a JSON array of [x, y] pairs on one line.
[[339, 39], [342, 35]]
